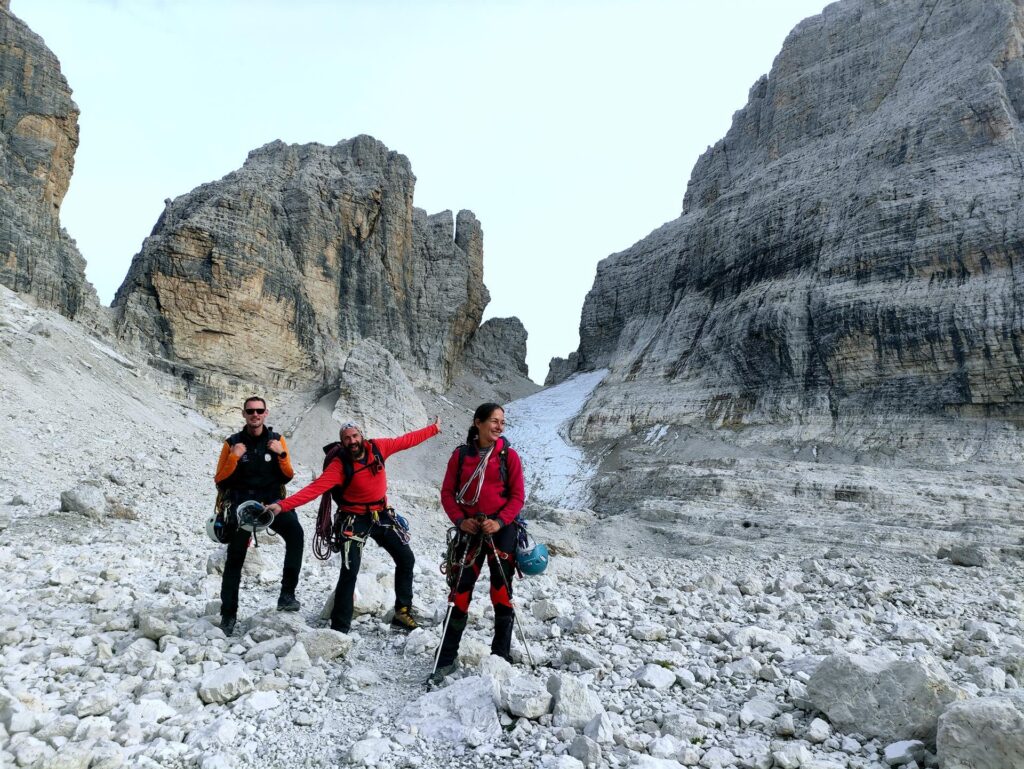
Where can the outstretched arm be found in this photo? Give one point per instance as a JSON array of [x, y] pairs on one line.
[[329, 478], [389, 446]]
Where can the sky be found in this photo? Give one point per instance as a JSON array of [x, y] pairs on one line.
[[569, 127]]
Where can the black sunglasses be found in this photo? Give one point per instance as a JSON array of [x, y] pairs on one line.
[[254, 411]]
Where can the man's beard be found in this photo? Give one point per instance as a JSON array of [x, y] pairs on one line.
[[356, 450]]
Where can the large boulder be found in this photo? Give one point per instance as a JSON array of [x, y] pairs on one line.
[[85, 499], [890, 700], [463, 712], [983, 733], [225, 684]]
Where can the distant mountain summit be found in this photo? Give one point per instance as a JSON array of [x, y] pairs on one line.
[[38, 138], [275, 272], [853, 248]]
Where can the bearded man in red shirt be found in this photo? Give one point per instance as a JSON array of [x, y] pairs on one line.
[[358, 482]]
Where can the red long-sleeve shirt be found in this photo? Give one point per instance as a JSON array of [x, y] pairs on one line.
[[366, 486], [492, 500]]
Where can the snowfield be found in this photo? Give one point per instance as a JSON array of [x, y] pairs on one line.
[[556, 472]]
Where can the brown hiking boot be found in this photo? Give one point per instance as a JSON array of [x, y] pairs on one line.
[[404, 620]]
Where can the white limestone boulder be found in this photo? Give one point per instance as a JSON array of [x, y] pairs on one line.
[[891, 700], [574, 703], [526, 697], [84, 498], [653, 676], [983, 733], [325, 644], [462, 713], [225, 684]]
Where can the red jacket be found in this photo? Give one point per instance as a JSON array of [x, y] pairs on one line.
[[366, 486], [492, 496]]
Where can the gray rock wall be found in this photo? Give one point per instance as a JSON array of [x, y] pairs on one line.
[[497, 350], [38, 139], [274, 272], [851, 247]]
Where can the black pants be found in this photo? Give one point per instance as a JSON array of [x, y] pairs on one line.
[[472, 552], [384, 535], [288, 526]]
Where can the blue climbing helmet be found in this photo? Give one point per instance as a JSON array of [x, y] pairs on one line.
[[532, 560]]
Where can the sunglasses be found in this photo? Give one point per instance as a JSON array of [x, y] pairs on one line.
[[254, 411]]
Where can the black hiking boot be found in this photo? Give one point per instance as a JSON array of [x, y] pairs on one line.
[[227, 625], [403, 619], [288, 602], [501, 644], [443, 671]]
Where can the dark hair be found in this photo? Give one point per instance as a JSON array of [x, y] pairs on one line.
[[482, 414], [252, 398]]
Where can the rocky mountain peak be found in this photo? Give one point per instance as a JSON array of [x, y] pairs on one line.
[[38, 139], [276, 271], [849, 248]]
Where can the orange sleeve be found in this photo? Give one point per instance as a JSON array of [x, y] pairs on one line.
[[285, 464], [225, 465]]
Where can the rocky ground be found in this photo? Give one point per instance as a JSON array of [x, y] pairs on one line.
[[818, 656]]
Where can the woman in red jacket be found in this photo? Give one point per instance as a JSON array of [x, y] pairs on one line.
[[482, 494]]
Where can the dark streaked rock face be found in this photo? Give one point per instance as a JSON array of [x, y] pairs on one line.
[[498, 350], [38, 139], [852, 247], [273, 273]]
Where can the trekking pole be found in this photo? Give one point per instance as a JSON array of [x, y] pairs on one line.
[[511, 601], [451, 606]]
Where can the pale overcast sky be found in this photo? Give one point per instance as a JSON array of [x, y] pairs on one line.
[[569, 127]]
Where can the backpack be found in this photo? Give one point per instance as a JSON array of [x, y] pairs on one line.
[[325, 538]]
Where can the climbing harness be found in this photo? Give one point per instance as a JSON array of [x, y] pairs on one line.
[[328, 536], [342, 534]]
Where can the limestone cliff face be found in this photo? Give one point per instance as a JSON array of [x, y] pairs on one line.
[[853, 247], [38, 138], [272, 274], [498, 350]]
